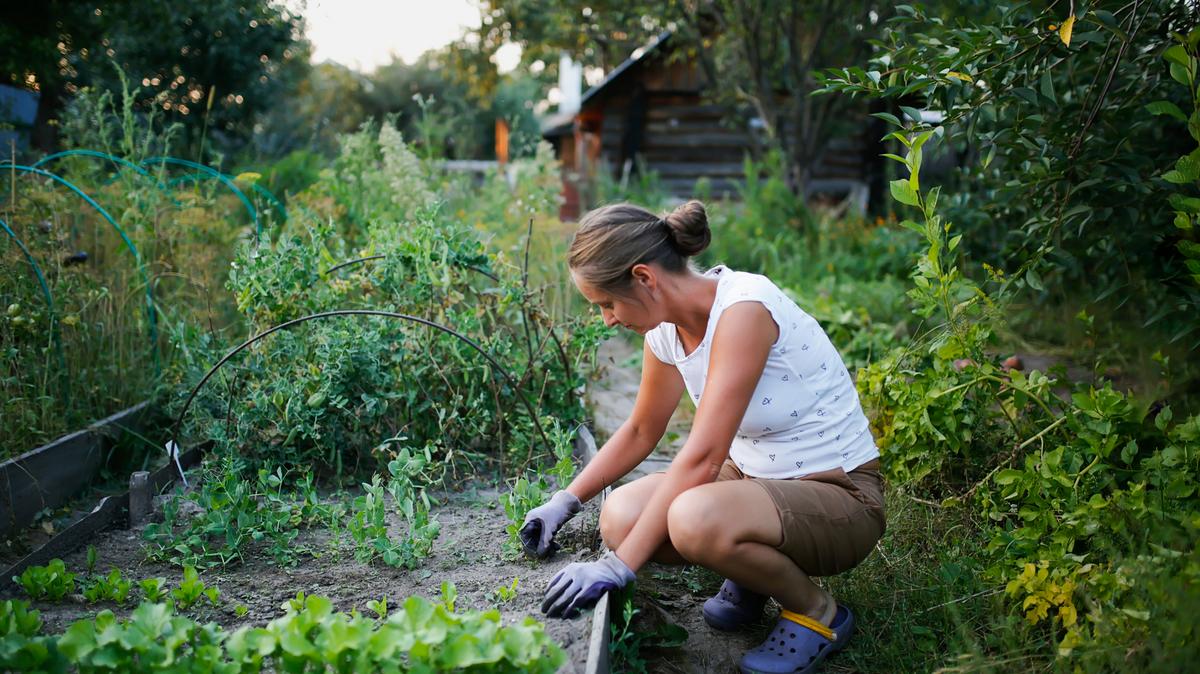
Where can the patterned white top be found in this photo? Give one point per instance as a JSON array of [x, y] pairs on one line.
[[805, 416]]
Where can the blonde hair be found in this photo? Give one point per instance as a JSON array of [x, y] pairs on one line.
[[612, 239]]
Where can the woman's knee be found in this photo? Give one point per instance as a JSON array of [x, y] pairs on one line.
[[694, 527], [617, 517]]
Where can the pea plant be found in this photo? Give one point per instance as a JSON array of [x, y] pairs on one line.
[[234, 513], [368, 525], [531, 491]]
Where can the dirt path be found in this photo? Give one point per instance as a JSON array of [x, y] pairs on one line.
[[667, 594]]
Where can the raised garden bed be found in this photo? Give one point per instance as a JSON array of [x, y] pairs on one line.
[[52, 475], [469, 552]]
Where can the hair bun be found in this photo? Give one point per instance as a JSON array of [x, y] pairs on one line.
[[689, 228]]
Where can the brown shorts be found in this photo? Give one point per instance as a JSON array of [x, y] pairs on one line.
[[831, 520]]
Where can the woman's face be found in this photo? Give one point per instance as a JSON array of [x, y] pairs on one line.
[[631, 312]]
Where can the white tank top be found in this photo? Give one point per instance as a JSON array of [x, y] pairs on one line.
[[804, 416]]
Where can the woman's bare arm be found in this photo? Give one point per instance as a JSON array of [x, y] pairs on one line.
[[741, 343], [657, 397]]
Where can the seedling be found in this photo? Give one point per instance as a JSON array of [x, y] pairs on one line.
[[504, 593], [154, 589], [112, 588], [52, 582], [192, 590], [379, 608]]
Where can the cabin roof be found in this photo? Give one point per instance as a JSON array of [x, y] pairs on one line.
[[617, 73]]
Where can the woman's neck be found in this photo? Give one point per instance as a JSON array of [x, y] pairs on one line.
[[690, 297]]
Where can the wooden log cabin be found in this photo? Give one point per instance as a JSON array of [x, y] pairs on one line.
[[650, 113]]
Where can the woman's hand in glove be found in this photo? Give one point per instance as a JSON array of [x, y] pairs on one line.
[[541, 523], [581, 584]]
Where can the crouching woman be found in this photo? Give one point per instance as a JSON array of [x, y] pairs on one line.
[[779, 478]]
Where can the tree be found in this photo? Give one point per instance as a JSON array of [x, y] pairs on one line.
[[242, 53], [1067, 186]]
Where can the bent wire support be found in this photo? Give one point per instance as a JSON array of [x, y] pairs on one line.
[[151, 312], [224, 179], [55, 332]]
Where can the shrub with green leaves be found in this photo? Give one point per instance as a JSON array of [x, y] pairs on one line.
[[1081, 495], [324, 393]]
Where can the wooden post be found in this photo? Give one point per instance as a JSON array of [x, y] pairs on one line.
[[501, 142], [139, 498]]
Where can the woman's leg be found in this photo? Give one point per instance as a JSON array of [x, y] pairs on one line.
[[621, 511], [734, 528]]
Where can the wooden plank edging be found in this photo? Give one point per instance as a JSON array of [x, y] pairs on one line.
[[50, 475], [109, 511], [597, 659]]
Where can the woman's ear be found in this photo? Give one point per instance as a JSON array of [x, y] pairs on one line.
[[644, 276]]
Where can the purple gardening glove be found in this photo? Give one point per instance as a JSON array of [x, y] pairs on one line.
[[581, 584], [541, 523]]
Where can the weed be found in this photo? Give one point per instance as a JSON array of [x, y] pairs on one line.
[[627, 646]]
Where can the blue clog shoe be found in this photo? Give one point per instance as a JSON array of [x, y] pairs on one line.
[[797, 644], [733, 607]]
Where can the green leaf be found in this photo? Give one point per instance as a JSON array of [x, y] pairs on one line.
[[1176, 55], [1046, 85], [1180, 75], [991, 154], [1184, 203], [1189, 166], [1166, 108], [911, 113], [903, 192], [888, 117], [1034, 280], [1175, 177]]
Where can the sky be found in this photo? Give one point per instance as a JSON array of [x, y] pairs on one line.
[[365, 34]]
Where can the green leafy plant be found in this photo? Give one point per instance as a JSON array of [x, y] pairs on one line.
[[368, 526], [1183, 60], [112, 588], [379, 607], [22, 648], [525, 495], [504, 593], [1078, 493], [154, 589], [233, 513], [191, 590], [628, 643], [51, 582]]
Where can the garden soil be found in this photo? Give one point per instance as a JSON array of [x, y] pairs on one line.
[[468, 552]]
